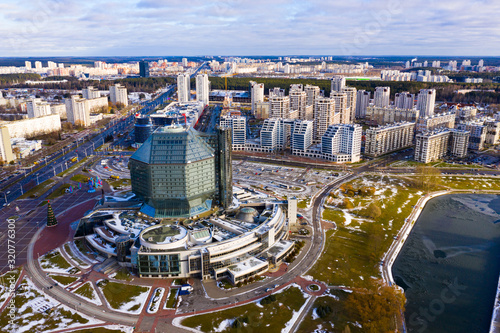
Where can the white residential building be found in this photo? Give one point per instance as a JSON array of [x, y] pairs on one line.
[[37, 108], [90, 93], [342, 143], [404, 100], [324, 116], [202, 88], [426, 102], [341, 106], [256, 94], [362, 103], [477, 131], [298, 102], [351, 93], [338, 83], [279, 105], [238, 125], [26, 128], [27, 65], [441, 120], [434, 145], [385, 139], [6, 154], [183, 87], [381, 97], [302, 136], [118, 94], [312, 92]]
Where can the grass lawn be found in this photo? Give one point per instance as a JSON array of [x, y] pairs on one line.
[[70, 253], [54, 260], [5, 281], [302, 204], [86, 291], [119, 182], [39, 190], [467, 182], [352, 252], [79, 178], [73, 167], [64, 280], [60, 191], [172, 299], [118, 294], [122, 274], [335, 321], [271, 317]]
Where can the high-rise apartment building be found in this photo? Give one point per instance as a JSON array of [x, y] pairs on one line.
[[118, 94], [430, 123], [256, 95], [279, 104], [385, 139], [362, 103], [312, 92], [298, 102], [202, 88], [324, 116], [238, 126], [477, 131], [183, 87], [90, 93], [342, 143], [302, 136], [6, 154], [404, 100], [434, 145], [376, 116], [27, 64], [38, 65], [37, 108], [351, 93], [338, 83], [341, 106], [426, 102], [381, 97]]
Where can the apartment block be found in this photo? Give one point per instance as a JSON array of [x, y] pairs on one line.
[[385, 139]]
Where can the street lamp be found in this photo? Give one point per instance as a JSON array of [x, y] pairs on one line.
[[37, 178], [5, 195]]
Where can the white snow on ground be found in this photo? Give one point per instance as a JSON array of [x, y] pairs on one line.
[[52, 268], [38, 303], [154, 303], [315, 314], [225, 324], [124, 329], [347, 216], [95, 298], [308, 277], [399, 210]]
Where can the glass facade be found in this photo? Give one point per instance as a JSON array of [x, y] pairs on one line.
[[161, 264]]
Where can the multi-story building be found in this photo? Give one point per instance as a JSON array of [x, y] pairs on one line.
[[338, 83], [324, 116], [37, 108], [202, 88], [27, 65], [183, 87], [377, 116], [78, 111], [351, 93], [464, 114], [298, 102], [59, 109], [272, 134], [26, 128], [404, 100], [477, 131], [362, 103], [118, 94], [434, 145], [261, 110], [435, 121], [492, 132], [238, 126], [381, 97], [342, 143], [38, 65], [385, 139], [6, 155], [312, 92], [279, 105], [143, 68], [256, 95], [90, 93], [302, 136], [341, 106], [426, 102]]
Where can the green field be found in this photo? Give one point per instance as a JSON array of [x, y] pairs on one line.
[[54, 260], [86, 290], [64, 280], [39, 190], [271, 317], [118, 294], [172, 298]]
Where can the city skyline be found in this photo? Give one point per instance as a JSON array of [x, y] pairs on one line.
[[145, 27]]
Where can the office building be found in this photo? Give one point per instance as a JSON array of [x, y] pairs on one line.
[[238, 126], [142, 128], [174, 173], [324, 116], [381, 97], [224, 167], [257, 96], [377, 116], [183, 87], [338, 83], [404, 100], [6, 154], [202, 88], [362, 103], [386, 139], [118, 94], [90, 93], [426, 102], [37, 108], [143, 68], [342, 143]]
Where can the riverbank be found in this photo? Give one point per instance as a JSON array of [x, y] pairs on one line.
[[495, 318]]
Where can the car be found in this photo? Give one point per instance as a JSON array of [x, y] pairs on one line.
[[268, 289]]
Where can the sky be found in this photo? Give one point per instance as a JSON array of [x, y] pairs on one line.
[[249, 27]]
